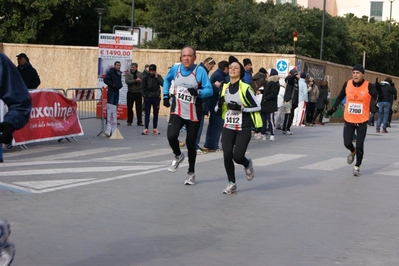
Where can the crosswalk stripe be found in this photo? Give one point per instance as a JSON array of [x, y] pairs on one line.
[[74, 154], [16, 151], [79, 170], [392, 170], [135, 155], [50, 183], [327, 165], [275, 159]]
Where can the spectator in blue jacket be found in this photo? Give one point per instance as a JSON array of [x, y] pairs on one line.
[[248, 71], [208, 65], [15, 95], [215, 123]]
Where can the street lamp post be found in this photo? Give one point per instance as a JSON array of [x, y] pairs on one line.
[[295, 34], [322, 30], [390, 15], [100, 12], [132, 17]]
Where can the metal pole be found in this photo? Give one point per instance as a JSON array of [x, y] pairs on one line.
[[390, 16], [132, 17], [99, 24], [322, 30]]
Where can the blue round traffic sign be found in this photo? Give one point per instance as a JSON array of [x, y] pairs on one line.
[[281, 66]]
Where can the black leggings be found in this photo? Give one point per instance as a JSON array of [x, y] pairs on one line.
[[361, 130], [319, 112], [234, 145], [288, 119], [174, 126], [310, 107]]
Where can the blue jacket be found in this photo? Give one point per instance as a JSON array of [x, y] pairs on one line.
[[14, 94], [113, 79], [247, 78], [220, 76], [201, 77]]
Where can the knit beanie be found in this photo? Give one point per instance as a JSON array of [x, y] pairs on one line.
[[247, 61], [359, 68], [262, 70], [273, 72]]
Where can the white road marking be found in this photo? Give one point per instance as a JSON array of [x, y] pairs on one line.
[[36, 191], [135, 155], [392, 170], [74, 154], [78, 170], [327, 165], [275, 159], [50, 183]]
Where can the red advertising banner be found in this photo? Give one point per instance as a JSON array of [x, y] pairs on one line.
[[53, 116]]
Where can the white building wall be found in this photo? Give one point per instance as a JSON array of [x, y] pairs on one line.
[[358, 7]]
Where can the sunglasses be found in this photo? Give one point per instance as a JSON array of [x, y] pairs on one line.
[[210, 61]]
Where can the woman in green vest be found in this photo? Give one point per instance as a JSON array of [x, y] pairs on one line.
[[240, 111]]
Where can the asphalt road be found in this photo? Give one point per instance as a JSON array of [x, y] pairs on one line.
[[101, 201]]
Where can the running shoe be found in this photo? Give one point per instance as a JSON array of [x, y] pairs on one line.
[[257, 136], [264, 137], [230, 189], [356, 171], [249, 170], [272, 138], [175, 163], [190, 179], [288, 132], [201, 151], [351, 157]]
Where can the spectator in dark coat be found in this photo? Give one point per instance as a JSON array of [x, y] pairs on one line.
[[269, 103], [150, 88], [113, 79], [28, 72], [321, 102], [15, 95], [291, 93], [386, 96]]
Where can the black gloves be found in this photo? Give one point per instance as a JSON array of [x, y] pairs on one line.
[[331, 111], [192, 91], [220, 102], [166, 101], [6, 130], [234, 106]]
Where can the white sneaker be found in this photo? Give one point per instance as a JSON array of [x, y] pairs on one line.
[[257, 136], [230, 189], [190, 179], [249, 170], [175, 163], [272, 138], [263, 137]]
